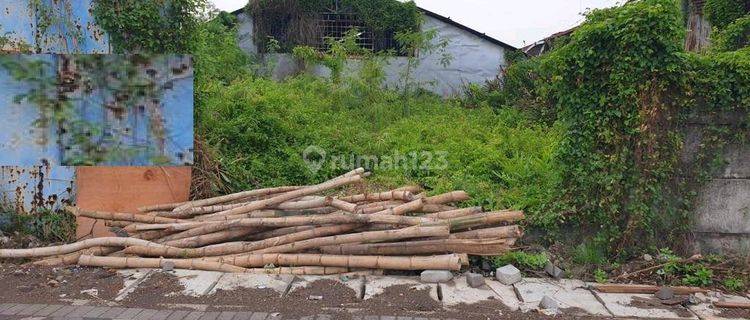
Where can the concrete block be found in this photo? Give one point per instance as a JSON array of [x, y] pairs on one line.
[[47, 310], [508, 274], [167, 266], [553, 270], [131, 279], [664, 293], [232, 281], [723, 207], [568, 293], [506, 294], [474, 280], [548, 303], [435, 276]]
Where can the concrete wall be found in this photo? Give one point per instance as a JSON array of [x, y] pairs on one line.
[[475, 60], [722, 212]]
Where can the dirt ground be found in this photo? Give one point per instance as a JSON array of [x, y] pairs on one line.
[[53, 285]]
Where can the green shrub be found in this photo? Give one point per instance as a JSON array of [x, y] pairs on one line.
[[522, 260], [734, 284], [723, 12], [735, 36]]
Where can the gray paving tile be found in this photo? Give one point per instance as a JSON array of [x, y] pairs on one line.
[[161, 315], [259, 316], [178, 315], [62, 311], [79, 311], [210, 315], [130, 313], [146, 314], [32, 309], [48, 310], [404, 318], [96, 313], [195, 315], [226, 315], [243, 315], [5, 306], [113, 312], [387, 318], [15, 309], [324, 317]]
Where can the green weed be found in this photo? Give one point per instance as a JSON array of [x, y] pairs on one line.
[[522, 260]]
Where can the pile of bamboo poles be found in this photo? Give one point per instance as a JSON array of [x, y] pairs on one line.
[[295, 229]]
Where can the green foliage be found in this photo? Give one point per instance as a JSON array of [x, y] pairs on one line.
[[154, 26], [600, 276], [46, 225], [734, 284], [298, 18], [734, 36], [589, 253], [520, 259], [723, 12]]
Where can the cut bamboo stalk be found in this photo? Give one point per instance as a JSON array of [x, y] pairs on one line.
[[126, 262], [643, 288], [448, 197], [116, 224], [235, 196], [343, 205], [450, 214], [385, 235], [411, 206], [433, 208], [278, 232], [439, 262], [481, 219], [210, 238], [498, 232], [377, 208], [305, 204], [283, 197], [302, 271], [380, 196], [214, 226], [484, 247], [194, 211], [160, 207], [236, 247], [72, 258], [72, 247], [120, 216]]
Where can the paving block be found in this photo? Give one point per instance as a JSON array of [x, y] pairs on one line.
[[131, 279], [508, 274], [232, 281], [259, 316], [79, 311], [226, 315], [146, 314], [375, 285], [620, 306], [130, 313], [194, 315], [62, 311], [31, 309], [506, 294], [161, 315], [474, 280], [46, 311], [179, 315], [705, 310], [435, 276], [458, 291], [569, 293], [96, 312], [113, 313], [210, 315], [243, 315]]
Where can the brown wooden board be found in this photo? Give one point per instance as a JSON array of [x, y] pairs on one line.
[[123, 189]]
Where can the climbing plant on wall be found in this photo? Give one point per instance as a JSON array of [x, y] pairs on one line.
[[155, 26], [722, 12], [295, 22]]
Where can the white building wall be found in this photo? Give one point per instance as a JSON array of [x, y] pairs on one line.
[[475, 60]]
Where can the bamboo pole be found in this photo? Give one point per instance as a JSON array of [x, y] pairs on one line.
[[411, 206], [448, 197], [236, 247], [160, 207], [301, 271], [454, 213], [72, 247], [439, 262], [126, 262], [513, 231], [120, 216], [72, 258], [481, 219], [278, 232], [210, 238], [369, 236], [214, 226], [380, 196], [235, 196], [484, 247], [433, 208], [261, 204]]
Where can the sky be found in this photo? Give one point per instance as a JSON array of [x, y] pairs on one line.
[[516, 22]]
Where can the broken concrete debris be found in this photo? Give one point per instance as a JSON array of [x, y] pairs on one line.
[[665, 293], [548, 303], [553, 270]]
